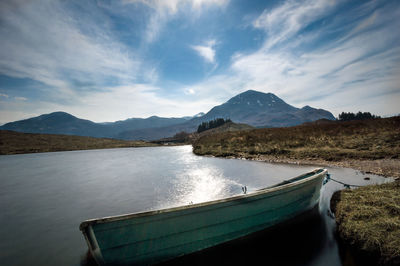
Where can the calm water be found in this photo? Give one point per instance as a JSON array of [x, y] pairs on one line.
[[44, 197]]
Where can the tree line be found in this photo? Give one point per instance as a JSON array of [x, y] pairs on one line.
[[212, 124], [358, 116]]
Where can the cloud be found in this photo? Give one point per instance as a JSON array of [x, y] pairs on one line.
[[111, 104], [20, 98], [172, 6], [206, 51], [163, 11], [140, 100], [363, 60], [65, 49], [286, 20], [189, 91]]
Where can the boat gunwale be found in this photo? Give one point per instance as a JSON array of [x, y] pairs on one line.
[[315, 173]]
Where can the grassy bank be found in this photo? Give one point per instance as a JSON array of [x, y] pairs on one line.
[[15, 143], [368, 220], [372, 144]]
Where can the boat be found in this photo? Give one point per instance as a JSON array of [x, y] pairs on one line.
[[151, 237]]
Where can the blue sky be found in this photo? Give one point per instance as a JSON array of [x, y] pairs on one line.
[[112, 60]]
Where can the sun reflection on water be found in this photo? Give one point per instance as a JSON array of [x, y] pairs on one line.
[[200, 185]]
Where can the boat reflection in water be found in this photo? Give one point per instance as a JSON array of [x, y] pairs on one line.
[[160, 235]]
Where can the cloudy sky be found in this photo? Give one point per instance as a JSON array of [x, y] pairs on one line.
[[112, 60]]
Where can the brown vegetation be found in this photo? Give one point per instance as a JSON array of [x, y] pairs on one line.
[[14, 143], [368, 220], [343, 143]]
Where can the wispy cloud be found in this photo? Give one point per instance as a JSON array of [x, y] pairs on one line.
[[206, 51], [48, 43], [286, 20], [361, 61], [163, 11], [134, 101], [18, 98]]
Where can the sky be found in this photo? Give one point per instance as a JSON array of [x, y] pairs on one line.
[[117, 59]]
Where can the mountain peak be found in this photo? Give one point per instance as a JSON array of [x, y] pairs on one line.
[[256, 101], [58, 114], [251, 93]]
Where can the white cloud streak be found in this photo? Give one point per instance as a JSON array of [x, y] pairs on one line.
[[288, 19], [206, 51], [111, 104], [164, 10], [45, 43], [363, 64]]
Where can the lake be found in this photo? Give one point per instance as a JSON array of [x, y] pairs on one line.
[[44, 197]]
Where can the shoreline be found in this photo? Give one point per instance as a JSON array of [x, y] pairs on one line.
[[382, 167]]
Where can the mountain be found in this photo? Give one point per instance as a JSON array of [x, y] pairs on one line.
[[265, 110], [254, 108], [67, 124]]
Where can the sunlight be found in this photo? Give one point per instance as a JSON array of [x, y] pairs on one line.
[[204, 184]]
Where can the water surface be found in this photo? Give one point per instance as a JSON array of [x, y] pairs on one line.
[[44, 197]]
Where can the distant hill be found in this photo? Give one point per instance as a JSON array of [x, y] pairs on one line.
[[67, 124], [253, 108]]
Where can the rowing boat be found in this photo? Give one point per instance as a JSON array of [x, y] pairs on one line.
[[155, 236]]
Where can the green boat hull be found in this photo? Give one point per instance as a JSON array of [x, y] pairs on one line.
[[156, 236]]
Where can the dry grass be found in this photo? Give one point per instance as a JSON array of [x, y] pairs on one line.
[[369, 219], [345, 143], [372, 139], [15, 143]]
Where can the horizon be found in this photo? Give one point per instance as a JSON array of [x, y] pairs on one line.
[[186, 116], [107, 62], [191, 116]]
